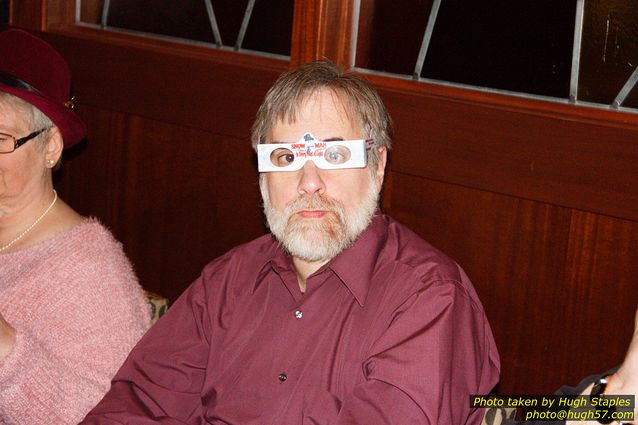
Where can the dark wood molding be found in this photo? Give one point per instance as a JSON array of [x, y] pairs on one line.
[[28, 14], [198, 79], [544, 108], [59, 12], [583, 163], [321, 30]]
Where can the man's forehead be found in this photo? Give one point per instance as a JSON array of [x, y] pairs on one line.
[[326, 139], [327, 103]]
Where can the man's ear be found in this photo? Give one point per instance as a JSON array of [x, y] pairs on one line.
[[383, 158], [53, 147]]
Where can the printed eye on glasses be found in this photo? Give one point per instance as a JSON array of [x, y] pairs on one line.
[[327, 155]]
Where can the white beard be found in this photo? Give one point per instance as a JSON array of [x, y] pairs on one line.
[[319, 240]]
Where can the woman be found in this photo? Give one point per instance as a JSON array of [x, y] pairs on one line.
[[70, 305]]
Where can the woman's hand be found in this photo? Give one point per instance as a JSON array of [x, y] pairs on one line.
[[625, 380], [7, 337]]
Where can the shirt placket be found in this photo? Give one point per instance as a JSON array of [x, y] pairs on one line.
[[296, 332]]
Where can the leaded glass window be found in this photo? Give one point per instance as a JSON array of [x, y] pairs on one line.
[[257, 26], [581, 51], [4, 14]]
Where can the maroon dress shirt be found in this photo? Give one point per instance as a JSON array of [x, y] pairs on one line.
[[390, 331]]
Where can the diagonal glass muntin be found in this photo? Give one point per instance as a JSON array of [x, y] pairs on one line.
[[616, 104], [213, 22]]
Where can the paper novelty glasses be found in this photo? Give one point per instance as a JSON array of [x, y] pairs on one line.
[[326, 155]]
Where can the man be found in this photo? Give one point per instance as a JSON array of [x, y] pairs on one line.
[[341, 316]]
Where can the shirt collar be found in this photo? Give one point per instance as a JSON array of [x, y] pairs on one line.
[[277, 260], [354, 266]]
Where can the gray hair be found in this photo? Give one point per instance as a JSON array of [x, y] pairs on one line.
[[33, 117], [358, 96]]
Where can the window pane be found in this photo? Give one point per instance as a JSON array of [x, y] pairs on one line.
[[632, 99], [4, 14], [390, 34], [516, 45], [229, 14], [183, 19], [610, 50], [269, 28]]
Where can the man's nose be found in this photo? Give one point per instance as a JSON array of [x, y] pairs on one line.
[[310, 180]]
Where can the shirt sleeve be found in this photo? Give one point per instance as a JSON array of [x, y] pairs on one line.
[[437, 350], [55, 373], [161, 381]]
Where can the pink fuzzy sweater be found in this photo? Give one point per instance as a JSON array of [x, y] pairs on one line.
[[78, 310]]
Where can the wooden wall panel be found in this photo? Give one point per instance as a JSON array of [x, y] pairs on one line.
[[557, 284], [602, 265], [208, 89], [322, 30], [583, 164], [91, 174], [27, 14], [173, 176], [173, 195]]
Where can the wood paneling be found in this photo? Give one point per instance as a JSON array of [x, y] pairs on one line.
[[202, 88], [62, 12], [580, 164], [554, 282], [28, 14], [322, 30], [176, 197]]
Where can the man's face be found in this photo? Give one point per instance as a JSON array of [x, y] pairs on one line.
[[317, 213]]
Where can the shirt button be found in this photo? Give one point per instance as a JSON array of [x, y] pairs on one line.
[[298, 314], [282, 377]]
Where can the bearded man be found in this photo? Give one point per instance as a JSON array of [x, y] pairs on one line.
[[341, 316]]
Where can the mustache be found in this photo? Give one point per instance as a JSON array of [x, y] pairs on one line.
[[314, 202]]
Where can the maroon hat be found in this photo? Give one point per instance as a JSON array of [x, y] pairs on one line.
[[32, 70]]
